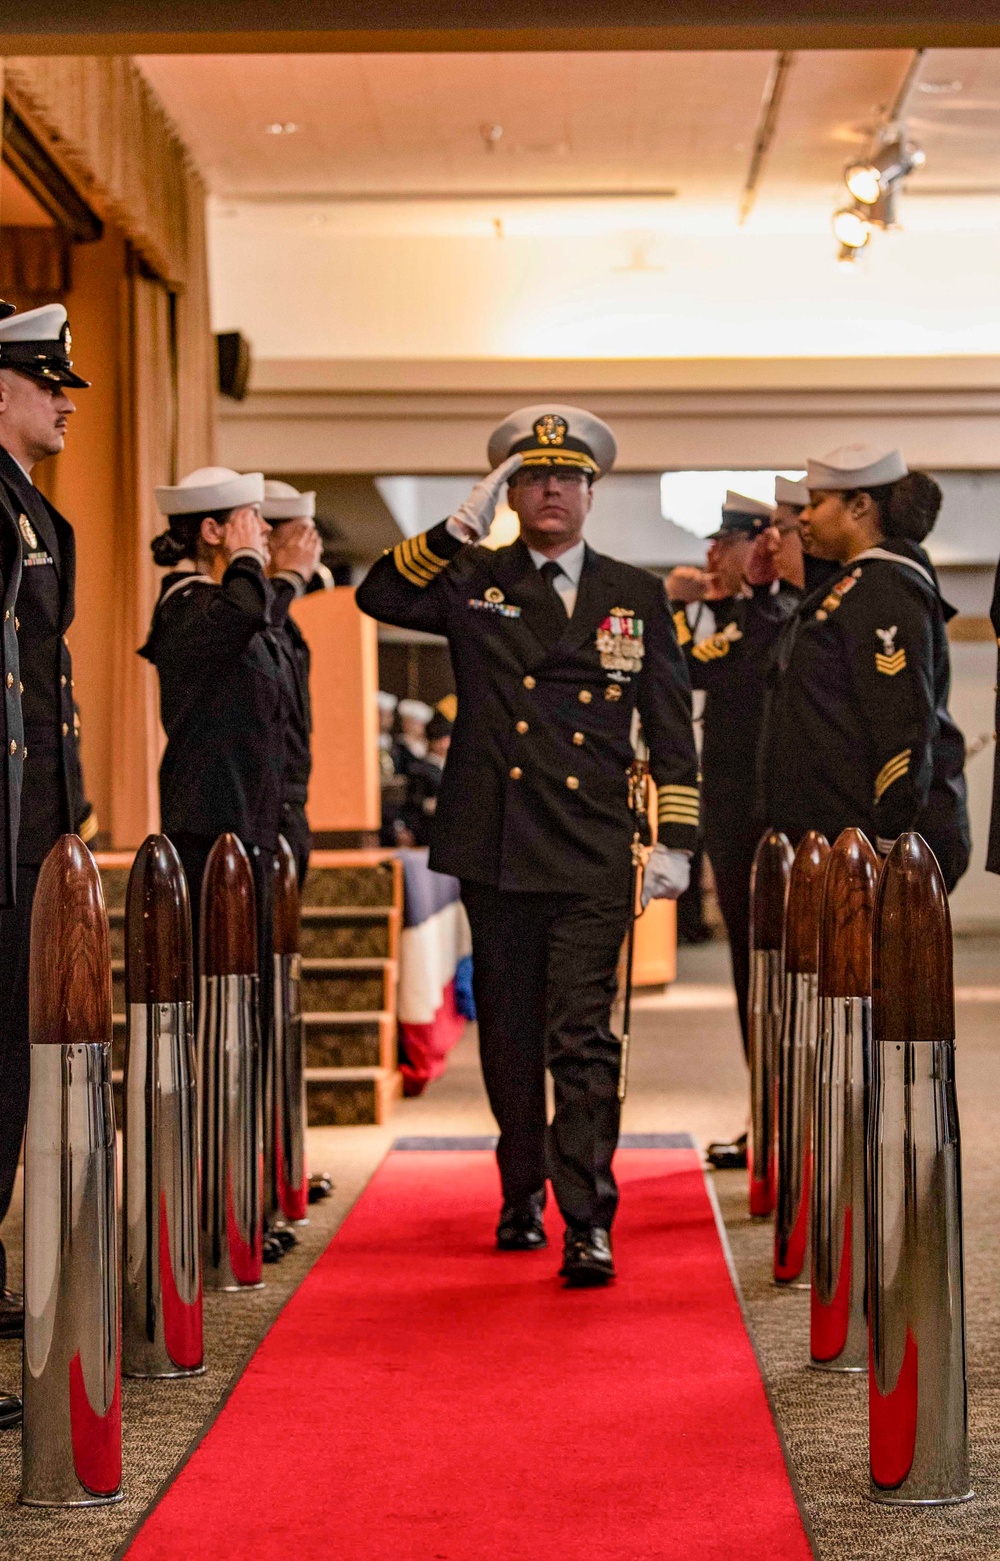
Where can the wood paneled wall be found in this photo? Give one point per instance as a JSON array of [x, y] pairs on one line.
[[138, 304]]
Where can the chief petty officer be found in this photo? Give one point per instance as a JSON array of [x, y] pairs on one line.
[[226, 690], [857, 728], [41, 757], [755, 543], [554, 648], [290, 513]]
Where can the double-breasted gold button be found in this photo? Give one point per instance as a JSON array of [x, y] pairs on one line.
[[62, 681], [585, 696], [522, 727], [572, 783], [6, 619], [10, 680], [13, 746], [578, 739], [20, 688], [515, 773], [17, 623], [65, 729], [529, 681]]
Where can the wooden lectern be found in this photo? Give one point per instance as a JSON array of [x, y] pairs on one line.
[[344, 789]]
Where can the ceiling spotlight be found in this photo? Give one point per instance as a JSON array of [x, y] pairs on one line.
[[846, 256], [280, 128], [851, 228], [891, 162]]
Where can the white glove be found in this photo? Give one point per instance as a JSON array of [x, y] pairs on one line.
[[666, 874], [473, 519]]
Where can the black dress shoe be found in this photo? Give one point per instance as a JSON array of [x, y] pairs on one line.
[[11, 1315], [273, 1250], [320, 1187], [10, 1411], [728, 1157], [285, 1238], [587, 1259], [520, 1228]]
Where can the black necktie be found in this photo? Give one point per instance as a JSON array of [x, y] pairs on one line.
[[548, 572]]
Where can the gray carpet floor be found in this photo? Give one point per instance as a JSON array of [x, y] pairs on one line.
[[687, 1075]]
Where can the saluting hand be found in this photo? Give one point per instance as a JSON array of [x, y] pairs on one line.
[[685, 584], [473, 519], [245, 529], [762, 564], [299, 547]]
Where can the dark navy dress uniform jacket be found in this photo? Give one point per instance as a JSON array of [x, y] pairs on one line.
[[534, 795]]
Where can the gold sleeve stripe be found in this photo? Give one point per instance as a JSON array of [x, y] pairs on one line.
[[890, 665], [893, 771], [678, 805], [416, 562], [682, 627], [426, 555], [413, 558]]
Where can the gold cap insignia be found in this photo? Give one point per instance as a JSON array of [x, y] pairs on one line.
[[551, 429], [493, 593], [27, 531]]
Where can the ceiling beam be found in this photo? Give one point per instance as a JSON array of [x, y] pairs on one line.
[[318, 26]]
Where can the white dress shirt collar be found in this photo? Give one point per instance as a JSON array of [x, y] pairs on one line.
[[570, 562]]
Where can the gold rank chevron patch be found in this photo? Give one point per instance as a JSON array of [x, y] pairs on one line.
[[890, 665], [682, 627], [677, 805], [717, 644], [893, 771], [415, 561]]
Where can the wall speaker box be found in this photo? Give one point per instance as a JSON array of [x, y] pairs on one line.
[[234, 360]]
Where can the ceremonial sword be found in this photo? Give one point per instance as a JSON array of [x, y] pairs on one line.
[[638, 776]]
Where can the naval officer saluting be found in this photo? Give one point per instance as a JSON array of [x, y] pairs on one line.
[[554, 649], [291, 514], [42, 756]]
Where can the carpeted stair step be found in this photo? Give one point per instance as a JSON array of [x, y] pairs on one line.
[[349, 886], [350, 932], [336, 985], [351, 1039], [347, 1097]]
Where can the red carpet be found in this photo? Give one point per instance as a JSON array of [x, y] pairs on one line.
[[425, 1398]]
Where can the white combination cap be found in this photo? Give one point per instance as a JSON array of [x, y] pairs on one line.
[[211, 488], [414, 710], [788, 492], [283, 502], [740, 504], [855, 466], [38, 343], [386, 702], [555, 435]]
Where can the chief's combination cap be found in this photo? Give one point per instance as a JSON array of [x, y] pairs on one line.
[[795, 494], [283, 502], [386, 701], [855, 466], [211, 488], [743, 516], [37, 343], [555, 435]]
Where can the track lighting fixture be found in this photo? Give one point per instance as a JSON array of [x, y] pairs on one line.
[[873, 183], [892, 161]]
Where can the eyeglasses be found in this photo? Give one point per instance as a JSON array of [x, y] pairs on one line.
[[537, 477]]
